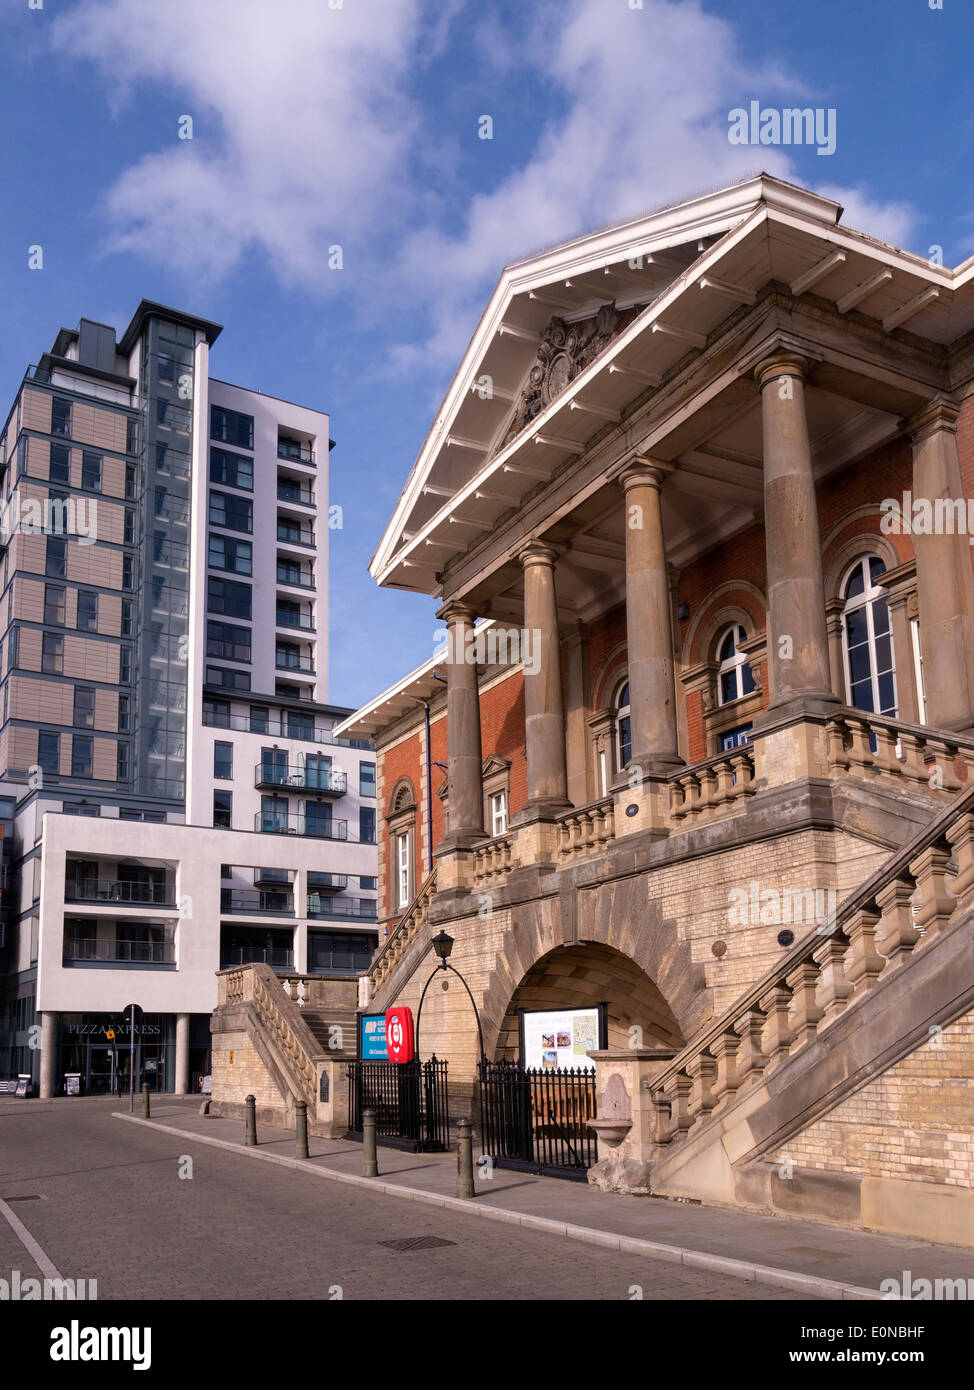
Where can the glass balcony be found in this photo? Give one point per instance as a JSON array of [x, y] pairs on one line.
[[316, 827], [296, 577], [275, 956], [276, 901], [294, 661], [297, 778], [291, 534], [120, 952], [294, 492], [161, 891], [321, 905], [298, 620], [294, 451]]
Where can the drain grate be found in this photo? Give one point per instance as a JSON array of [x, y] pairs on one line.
[[416, 1243]]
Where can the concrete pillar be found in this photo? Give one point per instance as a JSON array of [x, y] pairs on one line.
[[652, 696], [464, 756], [798, 649], [181, 1086], [945, 583], [544, 708], [48, 1055], [577, 743]]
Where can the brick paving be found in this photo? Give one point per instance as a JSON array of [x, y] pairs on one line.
[[110, 1205]]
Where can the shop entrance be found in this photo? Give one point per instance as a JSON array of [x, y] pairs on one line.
[[103, 1062], [102, 1071]]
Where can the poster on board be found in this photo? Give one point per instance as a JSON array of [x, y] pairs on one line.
[[558, 1038]]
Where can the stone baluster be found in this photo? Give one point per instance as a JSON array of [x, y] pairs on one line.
[[774, 1004], [860, 754], [678, 801], [725, 1050], [898, 934], [805, 1014], [837, 754], [677, 1089], [961, 837], [862, 963], [936, 905], [912, 765], [751, 1060], [943, 758], [886, 760], [701, 1069], [742, 765], [725, 783], [833, 987]]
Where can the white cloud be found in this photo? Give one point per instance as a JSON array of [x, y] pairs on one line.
[[313, 126]]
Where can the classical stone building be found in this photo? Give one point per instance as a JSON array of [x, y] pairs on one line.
[[706, 759]]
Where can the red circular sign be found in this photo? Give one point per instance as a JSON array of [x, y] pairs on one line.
[[399, 1034]]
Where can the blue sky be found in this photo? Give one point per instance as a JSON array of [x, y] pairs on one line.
[[358, 126]]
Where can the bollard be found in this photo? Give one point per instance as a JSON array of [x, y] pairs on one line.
[[301, 1147], [145, 1100], [251, 1133], [370, 1161], [464, 1160]]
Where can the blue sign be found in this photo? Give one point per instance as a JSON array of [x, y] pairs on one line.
[[373, 1038]]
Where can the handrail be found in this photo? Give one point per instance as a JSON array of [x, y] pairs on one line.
[[425, 890], [893, 868]]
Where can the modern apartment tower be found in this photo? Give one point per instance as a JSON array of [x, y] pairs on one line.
[[175, 802]]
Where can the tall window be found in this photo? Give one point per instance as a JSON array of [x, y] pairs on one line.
[[87, 610], [498, 813], [366, 779], [366, 825], [623, 726], [868, 645], [734, 673], [54, 596], [60, 470], [223, 761], [403, 876], [236, 513], [60, 416], [231, 427], [48, 751], [222, 809], [91, 472], [84, 706], [52, 653], [56, 563], [81, 749]]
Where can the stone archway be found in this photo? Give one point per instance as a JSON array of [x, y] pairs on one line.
[[582, 974]]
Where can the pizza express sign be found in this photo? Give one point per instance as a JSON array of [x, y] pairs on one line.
[[100, 1031]]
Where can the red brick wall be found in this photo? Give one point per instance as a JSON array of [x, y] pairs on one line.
[[404, 760]]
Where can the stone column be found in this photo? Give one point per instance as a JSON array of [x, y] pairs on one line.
[[181, 1083], [48, 1055], [464, 756], [798, 649], [577, 747], [649, 636], [544, 708], [945, 582]]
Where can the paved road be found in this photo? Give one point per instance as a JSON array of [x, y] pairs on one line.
[[105, 1201]]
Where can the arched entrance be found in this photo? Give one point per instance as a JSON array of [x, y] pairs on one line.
[[587, 974]]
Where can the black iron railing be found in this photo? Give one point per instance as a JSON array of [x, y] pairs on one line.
[[537, 1119], [409, 1100], [101, 890], [279, 901]]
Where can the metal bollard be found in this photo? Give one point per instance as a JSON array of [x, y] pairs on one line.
[[250, 1137], [301, 1146], [370, 1160], [465, 1186], [145, 1100]]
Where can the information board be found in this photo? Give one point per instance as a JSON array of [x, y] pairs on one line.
[[372, 1038], [552, 1038]]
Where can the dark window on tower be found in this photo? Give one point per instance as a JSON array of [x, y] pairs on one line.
[[223, 761], [236, 513], [49, 752], [87, 610], [56, 559], [231, 427], [54, 597], [125, 664], [81, 747], [123, 713], [128, 571], [91, 472], [227, 642], [128, 535], [130, 477], [228, 597], [52, 653], [122, 767], [226, 553], [60, 416], [366, 825], [84, 706], [234, 470], [60, 470], [126, 617], [223, 809]]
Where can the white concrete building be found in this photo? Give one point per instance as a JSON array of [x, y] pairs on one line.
[[164, 663]]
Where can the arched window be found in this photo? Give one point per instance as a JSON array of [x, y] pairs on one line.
[[623, 726], [734, 679], [868, 644]]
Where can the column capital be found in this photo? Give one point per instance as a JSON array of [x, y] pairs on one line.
[[642, 471], [938, 414], [455, 610], [781, 363], [537, 552]]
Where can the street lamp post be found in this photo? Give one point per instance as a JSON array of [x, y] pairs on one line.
[[443, 946]]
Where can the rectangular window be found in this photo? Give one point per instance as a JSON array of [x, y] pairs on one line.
[[54, 604], [84, 706], [13, 658], [217, 713], [125, 664], [236, 513], [368, 883], [403, 876], [126, 617], [223, 761], [60, 470], [131, 436], [128, 571], [87, 610], [234, 470], [230, 427], [52, 653], [226, 871], [128, 530], [228, 597], [60, 416], [49, 751], [227, 642], [227, 679], [91, 472], [498, 813], [222, 809], [122, 765], [81, 748], [366, 779], [130, 477], [225, 553], [56, 562], [123, 713], [259, 719], [366, 825]]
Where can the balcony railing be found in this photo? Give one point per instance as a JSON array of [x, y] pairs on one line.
[[297, 778], [295, 535], [120, 952], [299, 620], [295, 453], [276, 823], [296, 578], [102, 890], [294, 661], [327, 883], [293, 492], [277, 901], [320, 905], [274, 956]]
